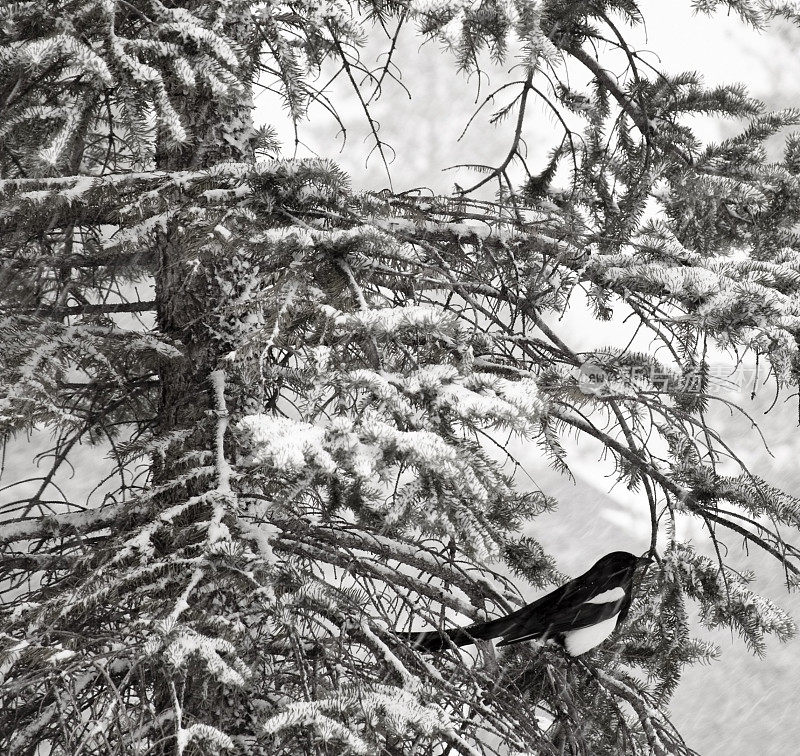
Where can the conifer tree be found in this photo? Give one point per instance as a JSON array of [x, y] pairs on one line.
[[296, 422]]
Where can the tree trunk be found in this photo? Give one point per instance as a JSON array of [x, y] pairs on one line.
[[188, 296], [190, 304]]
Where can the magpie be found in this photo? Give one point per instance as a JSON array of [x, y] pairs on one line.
[[579, 615]]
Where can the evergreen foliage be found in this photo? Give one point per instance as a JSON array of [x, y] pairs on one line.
[[301, 417]]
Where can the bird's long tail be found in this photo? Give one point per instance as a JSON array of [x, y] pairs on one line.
[[433, 640], [436, 640]]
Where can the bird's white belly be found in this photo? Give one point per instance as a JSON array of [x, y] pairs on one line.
[[580, 641]]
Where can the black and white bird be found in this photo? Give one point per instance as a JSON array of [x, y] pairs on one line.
[[579, 615]]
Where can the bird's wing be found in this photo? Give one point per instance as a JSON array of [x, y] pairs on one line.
[[529, 616], [526, 616], [436, 640], [574, 605], [561, 621], [568, 607]]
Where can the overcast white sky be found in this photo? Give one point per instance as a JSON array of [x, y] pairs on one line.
[[424, 130]]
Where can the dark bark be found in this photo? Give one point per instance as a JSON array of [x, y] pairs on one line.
[[188, 299]]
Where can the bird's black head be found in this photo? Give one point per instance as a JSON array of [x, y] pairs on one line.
[[618, 562]]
